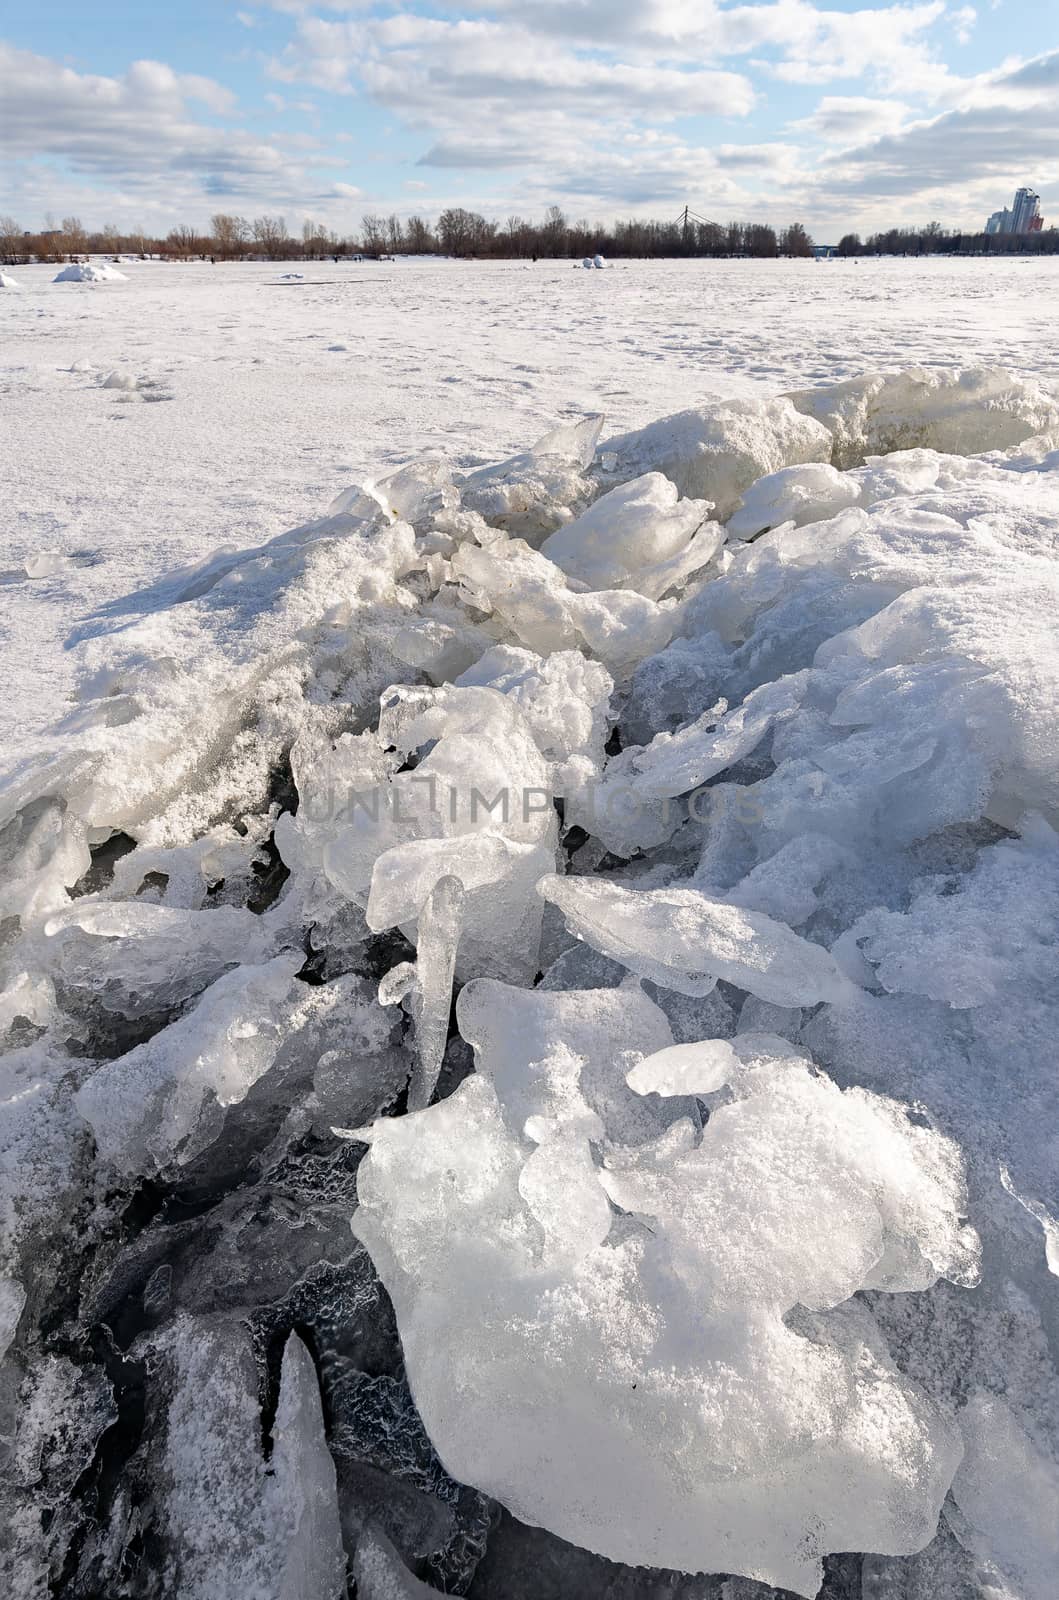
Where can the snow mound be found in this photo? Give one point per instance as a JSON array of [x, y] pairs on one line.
[[89, 272], [721, 1229], [126, 381], [49, 564], [8, 282]]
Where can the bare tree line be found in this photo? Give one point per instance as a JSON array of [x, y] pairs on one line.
[[457, 232], [936, 240], [463, 233]]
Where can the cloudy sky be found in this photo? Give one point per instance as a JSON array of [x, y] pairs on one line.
[[836, 115]]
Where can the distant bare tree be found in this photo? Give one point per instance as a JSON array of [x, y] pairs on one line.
[[553, 234], [74, 237], [230, 235], [394, 234], [315, 241], [483, 233], [520, 235], [11, 240], [418, 237], [794, 241], [454, 231], [184, 241], [850, 245], [465, 233], [760, 240], [271, 234], [710, 237], [373, 229]]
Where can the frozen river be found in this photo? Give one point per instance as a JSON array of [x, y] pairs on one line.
[[710, 763], [258, 396]]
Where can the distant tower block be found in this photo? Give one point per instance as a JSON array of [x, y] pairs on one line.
[[1024, 215]]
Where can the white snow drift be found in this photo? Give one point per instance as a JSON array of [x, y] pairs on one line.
[[89, 272]]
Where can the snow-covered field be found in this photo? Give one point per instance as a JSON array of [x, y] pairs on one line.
[[253, 398], [706, 755]]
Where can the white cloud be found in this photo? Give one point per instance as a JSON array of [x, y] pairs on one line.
[[851, 119], [962, 164], [430, 68], [134, 146], [606, 105]]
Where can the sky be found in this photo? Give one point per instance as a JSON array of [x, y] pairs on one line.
[[840, 116]]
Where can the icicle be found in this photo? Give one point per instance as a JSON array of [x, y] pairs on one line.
[[440, 922]]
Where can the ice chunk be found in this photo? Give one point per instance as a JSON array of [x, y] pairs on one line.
[[564, 698], [439, 934], [674, 687], [685, 1069], [622, 808], [684, 940], [993, 936], [687, 1414], [1007, 1494], [300, 1508], [415, 494], [43, 852], [137, 958], [561, 1057], [477, 806], [164, 1100], [560, 1186], [12, 1302], [54, 1414], [128, 382], [535, 492], [797, 494], [717, 451], [380, 1574], [961, 411], [528, 595], [634, 527], [229, 1528], [784, 885], [899, 1187]]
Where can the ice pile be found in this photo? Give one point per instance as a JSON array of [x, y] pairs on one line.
[[714, 770], [89, 272], [689, 1402], [8, 282]]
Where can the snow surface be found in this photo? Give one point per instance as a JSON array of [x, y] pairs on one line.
[[709, 761], [248, 420]]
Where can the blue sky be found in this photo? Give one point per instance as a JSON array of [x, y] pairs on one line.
[[840, 115]]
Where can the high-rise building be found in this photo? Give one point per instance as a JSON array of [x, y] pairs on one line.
[[1026, 211], [1024, 216]]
